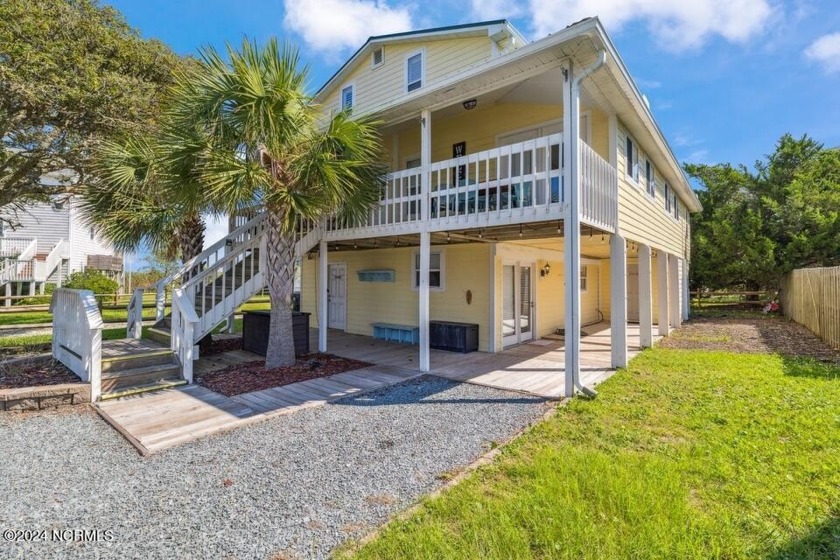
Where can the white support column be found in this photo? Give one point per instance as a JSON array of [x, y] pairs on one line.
[[686, 293], [674, 291], [32, 288], [571, 231], [425, 160], [618, 300], [7, 302], [323, 295], [662, 293], [645, 298], [423, 289]]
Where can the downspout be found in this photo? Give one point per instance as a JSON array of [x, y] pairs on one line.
[[602, 59]]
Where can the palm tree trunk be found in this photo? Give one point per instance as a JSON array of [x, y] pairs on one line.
[[281, 277], [191, 236]]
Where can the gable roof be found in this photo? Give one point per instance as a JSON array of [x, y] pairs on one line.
[[480, 29]]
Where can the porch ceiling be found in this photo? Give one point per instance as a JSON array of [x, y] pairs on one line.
[[547, 234]]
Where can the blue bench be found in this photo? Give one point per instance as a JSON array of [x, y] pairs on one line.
[[405, 334]]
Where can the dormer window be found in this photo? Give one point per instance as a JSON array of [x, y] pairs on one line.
[[378, 56], [347, 95], [414, 72]]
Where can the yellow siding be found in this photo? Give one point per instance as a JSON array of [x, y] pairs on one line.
[[481, 127], [644, 219], [373, 87], [466, 267]]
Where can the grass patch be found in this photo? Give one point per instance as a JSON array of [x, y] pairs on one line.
[[41, 342], [687, 454]]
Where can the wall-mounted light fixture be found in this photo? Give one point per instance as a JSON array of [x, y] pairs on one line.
[[470, 104], [545, 270]]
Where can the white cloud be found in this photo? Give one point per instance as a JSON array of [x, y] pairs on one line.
[[675, 24], [826, 51], [333, 26]]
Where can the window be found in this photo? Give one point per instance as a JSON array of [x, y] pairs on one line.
[[650, 178], [676, 207], [667, 198], [414, 72], [632, 160], [583, 278], [347, 99], [435, 271], [378, 56], [413, 163]]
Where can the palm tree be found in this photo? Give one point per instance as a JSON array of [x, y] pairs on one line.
[[267, 143], [134, 201]]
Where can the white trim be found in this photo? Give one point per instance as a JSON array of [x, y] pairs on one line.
[[442, 269], [352, 87], [516, 337], [373, 63], [409, 56], [342, 264], [536, 127], [584, 275]]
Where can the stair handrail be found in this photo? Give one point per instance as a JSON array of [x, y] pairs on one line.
[[14, 247], [224, 244], [29, 252], [251, 244], [54, 258], [134, 323], [77, 335], [184, 321]]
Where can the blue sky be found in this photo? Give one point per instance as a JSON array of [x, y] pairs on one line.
[[725, 78]]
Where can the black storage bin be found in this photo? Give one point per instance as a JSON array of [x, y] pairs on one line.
[[255, 325], [454, 337]]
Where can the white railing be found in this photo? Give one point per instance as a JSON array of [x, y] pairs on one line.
[[17, 247], [184, 323], [521, 182], [43, 269], [218, 291], [207, 259], [77, 335], [134, 325], [599, 190]]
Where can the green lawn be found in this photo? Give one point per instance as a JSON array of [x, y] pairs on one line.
[[36, 341], [686, 454]]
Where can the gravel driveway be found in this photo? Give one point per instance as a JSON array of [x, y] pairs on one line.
[[290, 487]]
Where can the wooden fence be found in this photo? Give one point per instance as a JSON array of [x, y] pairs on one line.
[[811, 297]]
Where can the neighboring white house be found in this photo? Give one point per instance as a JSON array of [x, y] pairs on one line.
[[49, 242]]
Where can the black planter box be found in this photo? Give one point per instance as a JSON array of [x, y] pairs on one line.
[[454, 337], [255, 325]]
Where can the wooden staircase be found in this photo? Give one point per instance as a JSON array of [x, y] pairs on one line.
[[131, 367]]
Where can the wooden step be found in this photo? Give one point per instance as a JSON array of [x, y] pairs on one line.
[[137, 359], [121, 381], [160, 334], [139, 389]]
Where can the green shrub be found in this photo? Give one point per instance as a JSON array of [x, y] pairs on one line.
[[39, 300], [94, 281]]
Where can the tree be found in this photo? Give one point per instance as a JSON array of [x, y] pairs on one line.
[[267, 143], [137, 201], [756, 226], [71, 74]]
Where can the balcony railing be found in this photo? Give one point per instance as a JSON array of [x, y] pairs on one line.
[[522, 182]]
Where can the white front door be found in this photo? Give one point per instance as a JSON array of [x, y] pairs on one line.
[[517, 303], [633, 293], [337, 296]]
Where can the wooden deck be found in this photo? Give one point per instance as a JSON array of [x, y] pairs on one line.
[[156, 421], [536, 367]]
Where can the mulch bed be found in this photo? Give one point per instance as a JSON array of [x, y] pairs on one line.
[[762, 334], [220, 346], [35, 372], [253, 376]]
